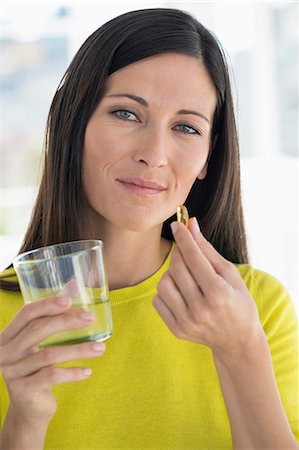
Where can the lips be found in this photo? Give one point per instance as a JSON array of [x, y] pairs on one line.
[[141, 186]]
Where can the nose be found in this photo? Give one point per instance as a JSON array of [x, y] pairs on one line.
[[153, 149]]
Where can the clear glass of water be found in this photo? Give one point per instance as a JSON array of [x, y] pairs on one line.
[[77, 270]]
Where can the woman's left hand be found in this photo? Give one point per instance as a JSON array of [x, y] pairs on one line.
[[202, 297]]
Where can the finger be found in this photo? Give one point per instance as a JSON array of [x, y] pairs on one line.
[[197, 263], [171, 296], [165, 313], [222, 266], [186, 284], [50, 376], [40, 329], [47, 307], [52, 355]]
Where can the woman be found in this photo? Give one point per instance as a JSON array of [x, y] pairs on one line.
[[143, 121]]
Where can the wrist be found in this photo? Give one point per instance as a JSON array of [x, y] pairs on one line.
[[23, 423], [247, 352], [251, 396], [18, 433]]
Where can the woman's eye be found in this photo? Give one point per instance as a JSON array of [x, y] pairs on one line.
[[125, 114], [186, 129]]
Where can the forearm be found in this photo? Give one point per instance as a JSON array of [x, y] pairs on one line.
[[257, 418], [15, 435]]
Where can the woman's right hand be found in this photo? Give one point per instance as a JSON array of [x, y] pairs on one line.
[[29, 372]]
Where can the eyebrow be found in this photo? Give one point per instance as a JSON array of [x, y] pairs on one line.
[[144, 103]]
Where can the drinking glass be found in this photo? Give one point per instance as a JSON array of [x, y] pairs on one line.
[[74, 269]]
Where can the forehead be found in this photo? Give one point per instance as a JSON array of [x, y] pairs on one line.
[[168, 79]]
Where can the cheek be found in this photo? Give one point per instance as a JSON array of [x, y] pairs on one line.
[[188, 168], [96, 145], [191, 164], [91, 161], [99, 150]]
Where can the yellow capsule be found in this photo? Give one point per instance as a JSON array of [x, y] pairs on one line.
[[182, 215]]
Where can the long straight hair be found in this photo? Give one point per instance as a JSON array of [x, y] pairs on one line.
[[60, 205]]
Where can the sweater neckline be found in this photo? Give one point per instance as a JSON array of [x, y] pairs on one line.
[[145, 287]]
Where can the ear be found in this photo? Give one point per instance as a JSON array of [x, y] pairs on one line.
[[202, 174]]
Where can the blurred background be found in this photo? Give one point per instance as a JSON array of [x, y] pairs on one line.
[[39, 39]]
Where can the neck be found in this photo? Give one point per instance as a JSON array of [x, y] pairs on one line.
[[131, 256]]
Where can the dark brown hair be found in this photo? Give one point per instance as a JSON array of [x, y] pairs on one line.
[[130, 37]]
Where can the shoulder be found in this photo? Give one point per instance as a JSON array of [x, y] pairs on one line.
[[10, 301], [260, 282], [272, 299]]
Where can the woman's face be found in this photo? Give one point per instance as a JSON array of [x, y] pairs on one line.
[[148, 140]]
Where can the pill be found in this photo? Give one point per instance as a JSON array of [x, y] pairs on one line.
[[182, 215]]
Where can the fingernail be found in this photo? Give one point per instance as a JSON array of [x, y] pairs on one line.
[[195, 224], [87, 316], [98, 347], [86, 372], [174, 227], [63, 301]]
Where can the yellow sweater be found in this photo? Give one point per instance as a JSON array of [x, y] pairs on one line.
[[151, 390]]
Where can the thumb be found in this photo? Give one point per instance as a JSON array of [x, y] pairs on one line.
[[205, 246], [194, 228], [197, 235]]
